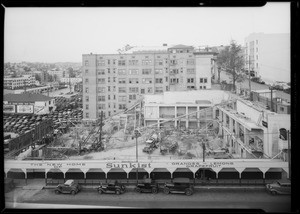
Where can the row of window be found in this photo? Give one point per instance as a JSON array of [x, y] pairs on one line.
[[145, 80], [146, 71], [136, 62]]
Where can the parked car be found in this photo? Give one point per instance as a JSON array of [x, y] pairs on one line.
[[69, 187], [147, 185], [9, 184], [111, 187], [279, 187], [179, 185]]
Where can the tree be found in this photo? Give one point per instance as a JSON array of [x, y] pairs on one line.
[[37, 77], [50, 78], [233, 61], [222, 59]]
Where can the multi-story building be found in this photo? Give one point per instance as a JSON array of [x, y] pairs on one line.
[[19, 82], [58, 74], [269, 56], [113, 82], [72, 81]]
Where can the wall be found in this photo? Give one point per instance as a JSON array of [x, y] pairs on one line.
[[248, 111], [203, 70]]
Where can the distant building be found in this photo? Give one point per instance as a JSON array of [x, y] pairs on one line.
[[269, 56], [35, 90], [58, 74], [28, 104], [19, 82], [114, 82], [73, 81]]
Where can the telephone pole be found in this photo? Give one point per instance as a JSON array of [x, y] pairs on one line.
[[249, 77], [100, 134], [289, 153], [136, 147]]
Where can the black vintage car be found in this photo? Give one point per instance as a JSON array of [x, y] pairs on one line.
[[179, 185], [147, 185], [69, 187], [111, 187]]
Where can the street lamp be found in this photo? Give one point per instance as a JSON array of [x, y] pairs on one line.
[[136, 134]]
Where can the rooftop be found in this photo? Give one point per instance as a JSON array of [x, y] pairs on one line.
[[25, 97]]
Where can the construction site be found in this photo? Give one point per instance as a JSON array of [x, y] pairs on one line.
[[124, 136]]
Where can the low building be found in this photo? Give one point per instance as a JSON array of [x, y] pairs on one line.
[[35, 90], [19, 82], [71, 81], [181, 108], [251, 131], [28, 104]]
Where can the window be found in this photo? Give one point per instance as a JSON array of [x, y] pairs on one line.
[[173, 62], [256, 65], [101, 89], [86, 62], [101, 62], [101, 71], [86, 90], [167, 88], [108, 88], [122, 89], [190, 71], [87, 107], [191, 87], [150, 90], [201, 80], [133, 71], [174, 71], [133, 80], [87, 115], [121, 62], [281, 109], [132, 97], [142, 91], [108, 61], [159, 62], [108, 97], [108, 79], [133, 62], [205, 80], [158, 71], [158, 89], [133, 90], [200, 87], [158, 80], [122, 71], [122, 106], [122, 80], [174, 80], [190, 80], [101, 106], [114, 79], [166, 79], [86, 71], [101, 80], [257, 57], [146, 62], [204, 87], [108, 70], [86, 80], [122, 98], [101, 98], [147, 80], [190, 62], [86, 98], [256, 49], [146, 71], [114, 96]]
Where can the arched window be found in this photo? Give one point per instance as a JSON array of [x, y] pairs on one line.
[[283, 134]]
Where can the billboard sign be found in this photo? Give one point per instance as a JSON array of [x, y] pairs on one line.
[[25, 109], [38, 109], [9, 109]]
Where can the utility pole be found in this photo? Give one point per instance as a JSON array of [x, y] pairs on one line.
[[271, 88], [136, 147]]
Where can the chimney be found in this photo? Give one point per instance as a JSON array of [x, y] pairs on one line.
[[165, 44]]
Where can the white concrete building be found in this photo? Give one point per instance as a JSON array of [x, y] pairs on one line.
[[71, 80], [17, 82], [269, 56], [252, 131], [179, 107]]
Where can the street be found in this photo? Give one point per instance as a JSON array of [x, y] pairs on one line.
[[202, 198]]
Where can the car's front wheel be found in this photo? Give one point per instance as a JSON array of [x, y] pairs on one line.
[[100, 191], [73, 192], [154, 190], [56, 192], [188, 192], [274, 193], [166, 190], [137, 189], [118, 192]]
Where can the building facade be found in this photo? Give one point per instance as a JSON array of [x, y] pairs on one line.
[[28, 104], [19, 82], [114, 82], [269, 56], [250, 131]]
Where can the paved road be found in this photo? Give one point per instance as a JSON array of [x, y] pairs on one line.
[[231, 199]]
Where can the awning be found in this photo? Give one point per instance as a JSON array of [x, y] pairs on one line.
[[275, 170], [55, 170], [182, 170], [15, 170], [116, 170], [139, 170], [35, 170], [160, 170], [95, 170], [252, 170], [228, 170]]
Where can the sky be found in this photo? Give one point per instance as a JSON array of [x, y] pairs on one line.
[[64, 34]]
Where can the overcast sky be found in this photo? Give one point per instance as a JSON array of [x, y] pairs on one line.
[[64, 34]]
